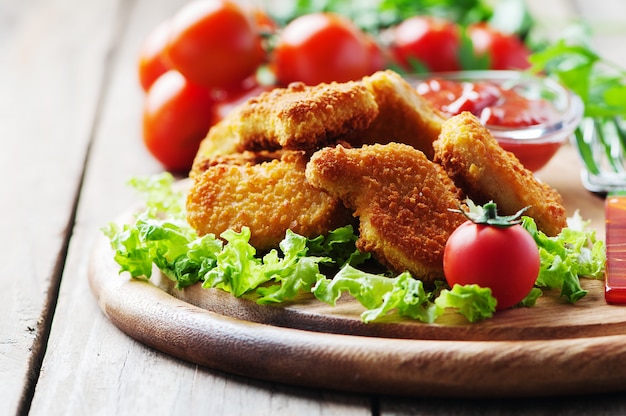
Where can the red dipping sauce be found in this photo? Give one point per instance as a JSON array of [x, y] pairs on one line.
[[489, 101], [513, 107]]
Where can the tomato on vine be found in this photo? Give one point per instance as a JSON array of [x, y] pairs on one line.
[[493, 252], [152, 61], [427, 41], [323, 47], [505, 51], [177, 116], [214, 43]]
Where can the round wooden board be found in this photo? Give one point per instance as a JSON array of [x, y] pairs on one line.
[[551, 349]]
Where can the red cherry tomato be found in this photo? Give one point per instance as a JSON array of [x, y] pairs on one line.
[[214, 43], [152, 62], [505, 51], [321, 47], [431, 41], [503, 259], [177, 116]]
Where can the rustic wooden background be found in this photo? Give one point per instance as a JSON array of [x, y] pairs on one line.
[[69, 124]]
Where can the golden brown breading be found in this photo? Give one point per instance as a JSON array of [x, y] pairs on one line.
[[244, 158], [485, 171], [404, 116], [221, 140], [380, 108], [401, 198], [269, 198], [298, 117]]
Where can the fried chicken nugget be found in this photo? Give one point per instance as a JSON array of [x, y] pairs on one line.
[[269, 198], [401, 199], [221, 140], [404, 116], [298, 117], [485, 171]]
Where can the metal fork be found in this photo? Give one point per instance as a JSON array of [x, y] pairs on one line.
[[601, 144]]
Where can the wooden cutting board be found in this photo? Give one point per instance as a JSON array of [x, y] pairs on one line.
[[553, 348]]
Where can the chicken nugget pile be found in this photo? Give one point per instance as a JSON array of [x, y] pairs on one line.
[[372, 153]]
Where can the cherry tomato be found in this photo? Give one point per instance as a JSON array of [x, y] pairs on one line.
[[177, 116], [152, 62], [505, 259], [505, 51], [321, 47], [214, 43], [431, 41]]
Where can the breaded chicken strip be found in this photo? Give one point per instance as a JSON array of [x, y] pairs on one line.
[[220, 141], [268, 197], [404, 116], [401, 198], [298, 117], [485, 171], [244, 158]]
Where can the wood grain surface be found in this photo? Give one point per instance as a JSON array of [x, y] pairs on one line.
[[70, 122], [50, 87]]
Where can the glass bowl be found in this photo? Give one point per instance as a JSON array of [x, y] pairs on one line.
[[532, 118]]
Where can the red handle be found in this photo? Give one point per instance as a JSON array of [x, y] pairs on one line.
[[615, 273]]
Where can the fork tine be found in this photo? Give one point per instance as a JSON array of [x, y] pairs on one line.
[[601, 144], [620, 131], [608, 138], [583, 139], [619, 144]]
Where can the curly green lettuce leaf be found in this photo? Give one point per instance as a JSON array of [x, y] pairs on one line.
[[340, 245], [236, 270], [176, 250], [567, 257], [281, 274], [472, 301], [295, 272], [161, 196], [380, 295], [404, 295]]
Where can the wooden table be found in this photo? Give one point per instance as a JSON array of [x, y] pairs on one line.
[[70, 108]]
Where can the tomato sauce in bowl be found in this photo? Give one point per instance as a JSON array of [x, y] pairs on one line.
[[530, 116]]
